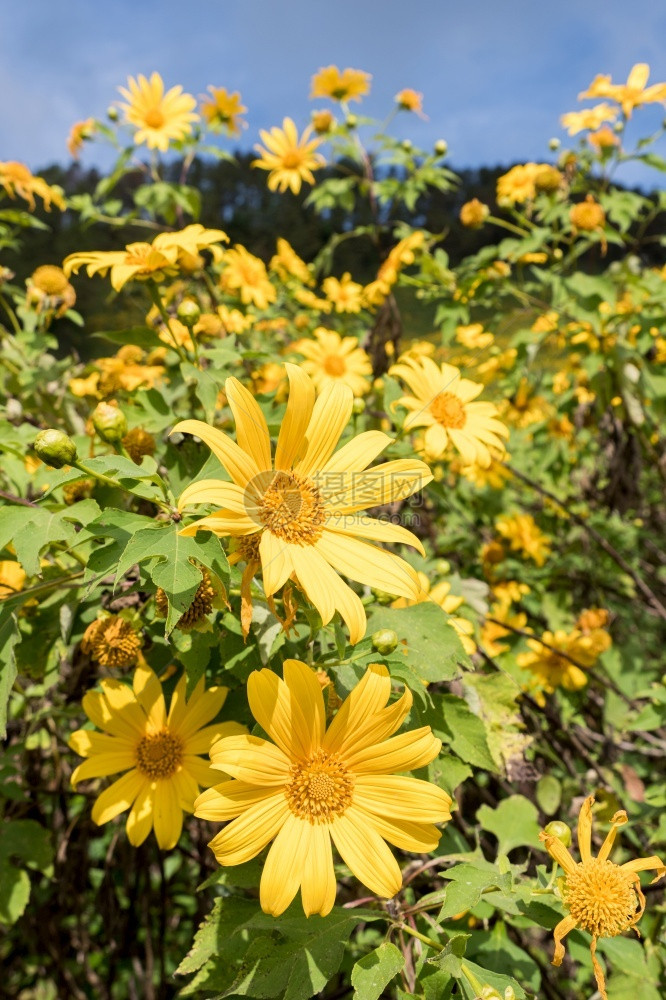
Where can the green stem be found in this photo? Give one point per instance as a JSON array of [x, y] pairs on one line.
[[507, 225], [119, 486], [12, 315], [421, 937]]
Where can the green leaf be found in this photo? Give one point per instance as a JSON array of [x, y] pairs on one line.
[[428, 643], [205, 385], [372, 973], [467, 883], [465, 733], [450, 958], [9, 636], [27, 842], [513, 822]]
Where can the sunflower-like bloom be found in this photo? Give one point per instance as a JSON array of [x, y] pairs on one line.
[[345, 295], [192, 240], [223, 109], [300, 516], [159, 751], [588, 118], [524, 181], [348, 85], [79, 132], [603, 898], [330, 356], [525, 536], [158, 117], [312, 785], [410, 100], [287, 264], [289, 158], [442, 403], [138, 261], [631, 94], [552, 664], [245, 275], [17, 179]]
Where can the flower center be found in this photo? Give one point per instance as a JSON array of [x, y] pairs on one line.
[[292, 159], [601, 897], [334, 365], [158, 755], [320, 788], [448, 410], [49, 279], [293, 508], [154, 118]]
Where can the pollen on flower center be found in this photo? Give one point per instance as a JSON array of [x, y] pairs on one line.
[[320, 788], [292, 508], [158, 755], [334, 365], [600, 896], [448, 410], [292, 159], [154, 118]]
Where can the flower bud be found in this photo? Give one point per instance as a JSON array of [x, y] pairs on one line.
[[441, 147], [112, 113], [358, 406], [189, 313], [351, 121], [55, 448], [385, 640], [474, 213], [407, 145], [382, 597], [554, 144], [556, 828], [109, 422]]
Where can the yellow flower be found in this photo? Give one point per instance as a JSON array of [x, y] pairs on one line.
[[126, 371], [442, 403], [525, 408], [493, 631], [159, 751], [350, 85], [474, 213], [138, 261], [223, 110], [474, 336], [631, 94], [158, 117], [190, 241], [77, 134], [410, 100], [604, 138], [601, 897], [312, 785], [587, 215], [307, 298], [329, 356], [592, 619], [233, 320], [112, 641], [493, 476], [16, 179], [345, 295], [589, 118], [49, 290], [322, 121], [12, 578], [525, 537], [306, 513], [552, 669], [518, 184], [286, 263], [245, 275], [289, 159]]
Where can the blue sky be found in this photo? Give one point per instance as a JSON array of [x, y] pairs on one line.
[[496, 74]]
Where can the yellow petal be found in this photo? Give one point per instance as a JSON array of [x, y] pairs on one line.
[[118, 797], [366, 854], [285, 861], [200, 711], [276, 562], [203, 740], [330, 416], [246, 836], [201, 771], [558, 852], [365, 700], [559, 933], [363, 526], [306, 690], [369, 564], [278, 714], [402, 798], [167, 814], [619, 819], [102, 764], [148, 691], [140, 819], [251, 428], [318, 885], [121, 707], [291, 439], [228, 496], [348, 492], [646, 864], [310, 568], [421, 838], [240, 466], [86, 742], [585, 829], [252, 759], [376, 727], [187, 787], [229, 799], [405, 752], [357, 454]]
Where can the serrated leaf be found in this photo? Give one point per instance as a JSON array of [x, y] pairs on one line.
[[467, 883], [372, 973]]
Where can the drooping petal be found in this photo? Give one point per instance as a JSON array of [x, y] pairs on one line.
[[647, 864], [276, 562], [369, 564], [366, 854], [281, 877], [118, 797], [559, 934], [363, 526], [309, 565]]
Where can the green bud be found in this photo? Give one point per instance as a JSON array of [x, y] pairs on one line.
[[109, 422], [382, 597], [351, 121], [55, 448], [558, 253], [556, 828], [442, 567], [112, 113], [441, 147], [358, 406], [554, 144], [189, 313], [385, 641], [407, 145], [618, 127]]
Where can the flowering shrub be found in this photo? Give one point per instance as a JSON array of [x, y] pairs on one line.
[[349, 622]]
